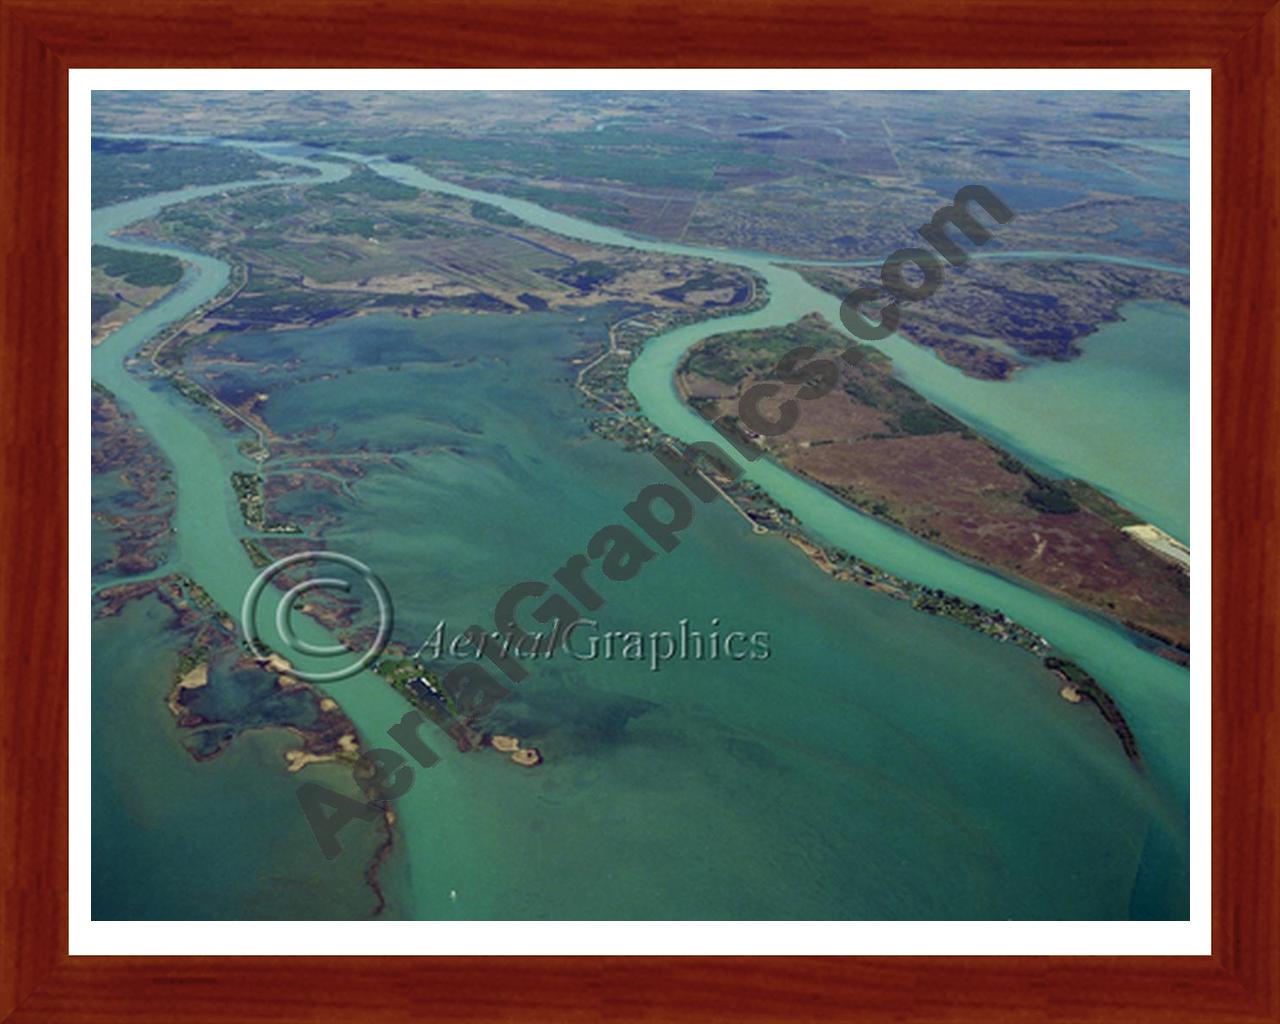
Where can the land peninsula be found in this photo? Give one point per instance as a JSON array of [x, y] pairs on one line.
[[1002, 315], [882, 447]]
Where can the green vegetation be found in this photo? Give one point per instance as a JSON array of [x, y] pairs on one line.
[[732, 358], [1062, 497], [185, 225], [494, 215], [644, 159], [364, 182], [252, 448], [341, 224], [585, 274], [348, 218], [923, 418], [192, 657], [861, 393], [248, 488], [398, 669], [128, 168], [100, 304], [399, 673], [142, 269], [1053, 500], [581, 203], [1095, 501], [967, 613], [260, 206], [1087, 687], [736, 359], [1047, 495], [708, 280], [192, 391], [198, 595], [257, 553], [1072, 672]]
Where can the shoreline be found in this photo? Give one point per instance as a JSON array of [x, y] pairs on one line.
[[389, 821], [767, 517], [335, 739]]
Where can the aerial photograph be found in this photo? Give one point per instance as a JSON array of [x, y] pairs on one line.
[[651, 505]]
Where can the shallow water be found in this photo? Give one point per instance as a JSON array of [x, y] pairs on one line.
[[875, 752], [880, 763], [177, 839]]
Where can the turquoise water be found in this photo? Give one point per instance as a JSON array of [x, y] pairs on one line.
[[1051, 421], [1118, 417], [873, 751], [881, 763], [177, 839], [167, 813]]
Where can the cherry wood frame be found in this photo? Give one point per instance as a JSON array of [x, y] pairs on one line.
[[41, 39]]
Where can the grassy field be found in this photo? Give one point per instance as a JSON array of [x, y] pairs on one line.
[[143, 269], [126, 169]]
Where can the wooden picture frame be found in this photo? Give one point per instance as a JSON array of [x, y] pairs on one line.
[[42, 39]]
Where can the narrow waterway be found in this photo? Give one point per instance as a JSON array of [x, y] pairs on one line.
[[1152, 693]]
